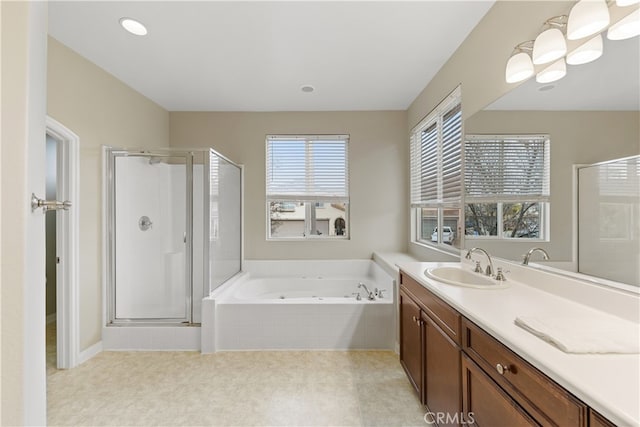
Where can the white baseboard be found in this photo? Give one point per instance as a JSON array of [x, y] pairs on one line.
[[90, 352], [51, 318]]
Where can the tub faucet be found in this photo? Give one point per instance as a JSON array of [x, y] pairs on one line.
[[490, 269], [545, 255], [370, 296]]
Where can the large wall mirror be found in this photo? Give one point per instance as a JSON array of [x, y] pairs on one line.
[[592, 115]]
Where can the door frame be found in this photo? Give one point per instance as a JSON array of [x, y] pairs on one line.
[[67, 244]]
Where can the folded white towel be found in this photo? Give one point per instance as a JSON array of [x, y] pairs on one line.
[[600, 333]]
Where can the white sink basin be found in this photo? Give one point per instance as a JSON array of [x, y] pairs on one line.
[[458, 276]]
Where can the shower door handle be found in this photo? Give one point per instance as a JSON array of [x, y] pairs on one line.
[[48, 205]]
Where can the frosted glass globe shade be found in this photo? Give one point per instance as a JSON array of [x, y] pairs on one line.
[[587, 52], [549, 46], [587, 17], [627, 27], [553, 72], [519, 68]]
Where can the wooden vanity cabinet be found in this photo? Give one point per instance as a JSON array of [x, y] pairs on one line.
[[436, 377], [411, 341], [458, 368], [538, 395]]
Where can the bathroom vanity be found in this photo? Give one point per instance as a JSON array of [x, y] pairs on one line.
[[470, 364]]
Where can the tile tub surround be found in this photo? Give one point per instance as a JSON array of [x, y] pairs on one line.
[[360, 388], [609, 383]]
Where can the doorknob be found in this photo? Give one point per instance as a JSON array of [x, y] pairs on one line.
[[48, 205]]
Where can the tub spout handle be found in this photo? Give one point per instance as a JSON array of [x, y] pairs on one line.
[[379, 293], [357, 294]]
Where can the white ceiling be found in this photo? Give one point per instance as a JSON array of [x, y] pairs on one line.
[[612, 82], [255, 56]]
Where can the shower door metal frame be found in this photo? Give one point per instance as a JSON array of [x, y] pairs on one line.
[[112, 154]]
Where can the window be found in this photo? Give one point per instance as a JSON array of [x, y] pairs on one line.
[[436, 174], [307, 187], [507, 186]]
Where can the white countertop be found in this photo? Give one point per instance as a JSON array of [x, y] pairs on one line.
[[609, 383]]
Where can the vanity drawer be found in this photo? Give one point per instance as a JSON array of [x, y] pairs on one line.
[[439, 311], [545, 400]]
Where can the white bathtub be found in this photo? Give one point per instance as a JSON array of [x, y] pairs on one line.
[[301, 305]]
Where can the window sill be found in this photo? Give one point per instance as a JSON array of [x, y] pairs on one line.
[[504, 239], [442, 247], [307, 239]]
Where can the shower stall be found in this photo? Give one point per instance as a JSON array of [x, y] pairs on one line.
[[173, 233]]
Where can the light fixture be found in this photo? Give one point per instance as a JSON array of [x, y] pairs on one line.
[[586, 20], [623, 3], [519, 66], [587, 52], [553, 72], [307, 88], [549, 46], [587, 17], [133, 26], [627, 27]]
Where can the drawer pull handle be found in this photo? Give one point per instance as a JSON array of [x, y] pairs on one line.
[[502, 368]]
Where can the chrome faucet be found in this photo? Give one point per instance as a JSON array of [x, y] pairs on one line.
[[545, 255], [489, 271], [370, 296], [379, 293]]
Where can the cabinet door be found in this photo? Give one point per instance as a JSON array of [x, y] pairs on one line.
[[442, 388], [485, 404], [411, 341], [597, 420]]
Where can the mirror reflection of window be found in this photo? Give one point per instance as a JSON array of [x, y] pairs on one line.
[[507, 187]]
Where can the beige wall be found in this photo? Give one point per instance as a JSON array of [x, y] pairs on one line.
[[478, 64], [23, 375], [101, 110], [577, 137], [13, 221], [378, 151]]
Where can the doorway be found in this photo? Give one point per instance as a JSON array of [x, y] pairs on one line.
[[62, 237], [51, 173]]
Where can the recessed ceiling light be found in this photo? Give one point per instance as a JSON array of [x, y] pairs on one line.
[[307, 88], [133, 26]]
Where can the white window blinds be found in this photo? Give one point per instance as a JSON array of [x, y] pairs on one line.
[[507, 168], [308, 168], [436, 156]]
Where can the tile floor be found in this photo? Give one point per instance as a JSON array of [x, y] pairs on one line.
[[284, 388]]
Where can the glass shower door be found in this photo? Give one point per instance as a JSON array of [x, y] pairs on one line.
[[151, 229]]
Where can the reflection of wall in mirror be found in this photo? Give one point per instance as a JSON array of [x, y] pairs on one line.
[[577, 138], [609, 233]]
